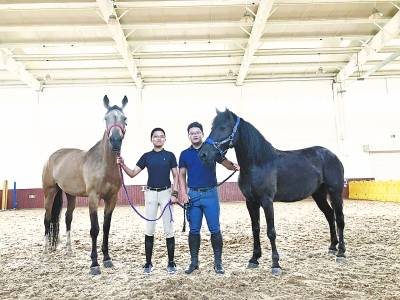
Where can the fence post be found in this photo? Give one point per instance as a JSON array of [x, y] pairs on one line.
[[5, 192], [14, 206]]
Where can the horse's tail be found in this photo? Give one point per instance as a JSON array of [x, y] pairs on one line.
[[55, 219], [333, 172]]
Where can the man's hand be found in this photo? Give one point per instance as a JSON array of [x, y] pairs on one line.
[[236, 167], [185, 199], [120, 161], [174, 199]]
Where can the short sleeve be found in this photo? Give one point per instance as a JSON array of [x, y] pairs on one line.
[[182, 161], [172, 161], [142, 162]]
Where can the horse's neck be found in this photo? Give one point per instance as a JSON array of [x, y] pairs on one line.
[[108, 157], [252, 148]]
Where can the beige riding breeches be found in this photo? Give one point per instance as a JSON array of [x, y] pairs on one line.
[[154, 203]]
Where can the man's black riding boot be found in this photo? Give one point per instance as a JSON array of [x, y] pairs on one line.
[[171, 268], [216, 242], [194, 247], [148, 248]]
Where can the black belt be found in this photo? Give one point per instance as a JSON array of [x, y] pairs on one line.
[[158, 189], [203, 189]]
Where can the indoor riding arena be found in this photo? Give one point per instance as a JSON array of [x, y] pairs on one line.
[[269, 131]]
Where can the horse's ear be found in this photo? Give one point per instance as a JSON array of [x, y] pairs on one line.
[[106, 102], [217, 110], [124, 101]]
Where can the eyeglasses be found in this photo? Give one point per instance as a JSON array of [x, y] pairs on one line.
[[195, 133]]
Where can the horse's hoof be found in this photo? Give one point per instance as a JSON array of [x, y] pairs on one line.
[[276, 271], [252, 265], [340, 259], [108, 263], [332, 251], [95, 270]]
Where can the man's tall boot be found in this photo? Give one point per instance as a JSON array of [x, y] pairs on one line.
[[194, 247], [216, 242], [148, 248], [171, 268]]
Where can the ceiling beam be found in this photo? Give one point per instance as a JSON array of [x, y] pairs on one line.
[[188, 25], [173, 3], [161, 55], [257, 31], [186, 40], [111, 18], [388, 32], [381, 64], [153, 66], [18, 69]]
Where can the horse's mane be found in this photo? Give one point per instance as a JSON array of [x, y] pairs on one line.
[[252, 143], [96, 146]]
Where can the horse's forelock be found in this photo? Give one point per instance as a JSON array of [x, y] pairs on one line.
[[114, 107]]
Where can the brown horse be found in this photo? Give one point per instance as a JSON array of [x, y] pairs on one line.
[[93, 174]]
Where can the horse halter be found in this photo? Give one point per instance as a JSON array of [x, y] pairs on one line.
[[122, 128], [229, 139]]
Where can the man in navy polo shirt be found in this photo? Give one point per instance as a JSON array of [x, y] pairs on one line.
[[201, 193], [160, 163]]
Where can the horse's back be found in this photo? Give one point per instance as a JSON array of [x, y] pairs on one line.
[[64, 168], [301, 172], [330, 165]]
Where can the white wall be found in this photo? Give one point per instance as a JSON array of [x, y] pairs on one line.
[[290, 115], [372, 115]]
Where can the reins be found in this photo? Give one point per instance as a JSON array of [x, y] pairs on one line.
[[169, 204]]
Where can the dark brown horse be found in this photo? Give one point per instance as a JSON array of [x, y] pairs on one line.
[[268, 174], [93, 174]]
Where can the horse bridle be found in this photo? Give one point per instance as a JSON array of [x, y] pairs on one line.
[[229, 139], [118, 126]]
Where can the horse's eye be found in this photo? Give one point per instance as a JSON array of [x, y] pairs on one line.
[[222, 127]]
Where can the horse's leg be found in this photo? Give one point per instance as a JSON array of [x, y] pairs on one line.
[[68, 219], [94, 232], [254, 211], [337, 205], [49, 194], [108, 210], [320, 197], [268, 206]]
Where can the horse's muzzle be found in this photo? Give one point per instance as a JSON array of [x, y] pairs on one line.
[[116, 142]]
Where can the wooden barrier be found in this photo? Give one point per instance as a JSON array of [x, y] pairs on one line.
[[375, 190], [4, 195]]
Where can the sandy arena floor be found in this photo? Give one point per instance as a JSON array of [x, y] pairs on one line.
[[371, 271]]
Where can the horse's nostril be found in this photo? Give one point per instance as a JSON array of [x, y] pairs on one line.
[[203, 156]]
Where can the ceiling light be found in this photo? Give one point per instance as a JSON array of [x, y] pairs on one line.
[[320, 71], [375, 14]]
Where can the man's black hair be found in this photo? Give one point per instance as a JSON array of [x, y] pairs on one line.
[[195, 124], [156, 129]]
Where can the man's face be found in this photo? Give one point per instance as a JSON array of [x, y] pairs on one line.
[[158, 138], [195, 135]]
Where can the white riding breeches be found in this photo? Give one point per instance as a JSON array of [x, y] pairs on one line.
[[155, 202]]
